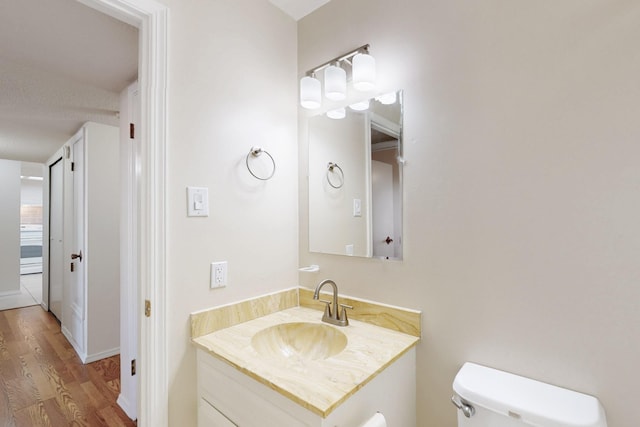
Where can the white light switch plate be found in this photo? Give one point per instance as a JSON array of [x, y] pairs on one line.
[[357, 207], [197, 201]]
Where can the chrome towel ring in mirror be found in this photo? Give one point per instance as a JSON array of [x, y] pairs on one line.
[[330, 170], [256, 152]]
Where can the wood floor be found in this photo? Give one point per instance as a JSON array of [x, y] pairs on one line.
[[44, 383]]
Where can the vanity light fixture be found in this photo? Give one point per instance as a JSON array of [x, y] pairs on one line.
[[363, 70], [360, 106], [338, 113], [310, 92], [335, 82], [387, 98]]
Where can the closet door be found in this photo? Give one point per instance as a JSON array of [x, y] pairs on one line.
[[56, 253], [74, 302]]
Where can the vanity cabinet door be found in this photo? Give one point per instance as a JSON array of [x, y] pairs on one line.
[[228, 397], [243, 401], [210, 417]]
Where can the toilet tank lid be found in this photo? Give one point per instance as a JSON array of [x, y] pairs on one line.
[[532, 401]]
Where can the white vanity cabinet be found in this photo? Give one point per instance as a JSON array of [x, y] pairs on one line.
[[228, 397]]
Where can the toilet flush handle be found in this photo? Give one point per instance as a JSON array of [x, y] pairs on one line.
[[466, 409]]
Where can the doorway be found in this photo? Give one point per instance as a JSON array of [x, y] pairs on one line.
[[151, 18]]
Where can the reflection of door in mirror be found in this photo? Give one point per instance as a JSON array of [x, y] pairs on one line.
[[382, 208], [385, 190]]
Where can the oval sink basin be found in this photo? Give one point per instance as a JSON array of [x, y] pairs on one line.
[[311, 341]]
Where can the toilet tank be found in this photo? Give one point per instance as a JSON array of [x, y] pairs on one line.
[[501, 399]]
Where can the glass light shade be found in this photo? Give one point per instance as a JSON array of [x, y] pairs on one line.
[[310, 92], [364, 72], [335, 83], [360, 106], [387, 98], [339, 113]]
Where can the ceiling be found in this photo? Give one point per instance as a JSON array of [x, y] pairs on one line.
[[298, 9], [61, 64]]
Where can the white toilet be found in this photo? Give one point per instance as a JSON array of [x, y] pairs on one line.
[[487, 397]]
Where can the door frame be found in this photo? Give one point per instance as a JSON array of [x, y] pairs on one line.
[[151, 19]]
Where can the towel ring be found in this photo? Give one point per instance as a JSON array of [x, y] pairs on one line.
[[255, 152], [330, 168]]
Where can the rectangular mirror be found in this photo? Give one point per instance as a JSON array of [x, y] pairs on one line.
[[355, 180]]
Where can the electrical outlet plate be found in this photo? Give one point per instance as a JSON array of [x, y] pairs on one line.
[[218, 274]]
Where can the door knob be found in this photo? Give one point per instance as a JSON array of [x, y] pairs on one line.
[[77, 256], [388, 240]]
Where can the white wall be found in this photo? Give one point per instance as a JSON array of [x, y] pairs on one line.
[[9, 227], [232, 84], [522, 237], [31, 192]]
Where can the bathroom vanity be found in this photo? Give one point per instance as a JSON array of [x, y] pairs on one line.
[[277, 362]]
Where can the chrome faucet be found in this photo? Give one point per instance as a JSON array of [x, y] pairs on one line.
[[336, 317]]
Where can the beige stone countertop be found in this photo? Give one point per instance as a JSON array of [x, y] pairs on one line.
[[318, 385]]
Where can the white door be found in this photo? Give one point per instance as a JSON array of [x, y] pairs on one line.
[[77, 255], [57, 261], [382, 209]]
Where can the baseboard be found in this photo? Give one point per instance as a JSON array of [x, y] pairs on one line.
[[10, 293], [127, 406], [69, 337], [101, 355]]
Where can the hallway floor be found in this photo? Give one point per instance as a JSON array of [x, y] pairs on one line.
[[44, 383], [33, 284], [30, 293]]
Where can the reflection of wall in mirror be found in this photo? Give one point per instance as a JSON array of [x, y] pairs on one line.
[[332, 224], [393, 250]]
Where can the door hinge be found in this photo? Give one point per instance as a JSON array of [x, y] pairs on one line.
[[132, 131], [133, 367], [73, 166], [72, 267], [147, 308]]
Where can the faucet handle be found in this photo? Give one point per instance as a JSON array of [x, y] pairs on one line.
[[343, 314], [327, 308]]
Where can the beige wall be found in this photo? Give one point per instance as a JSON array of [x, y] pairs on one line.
[[31, 193], [522, 184], [232, 85]]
